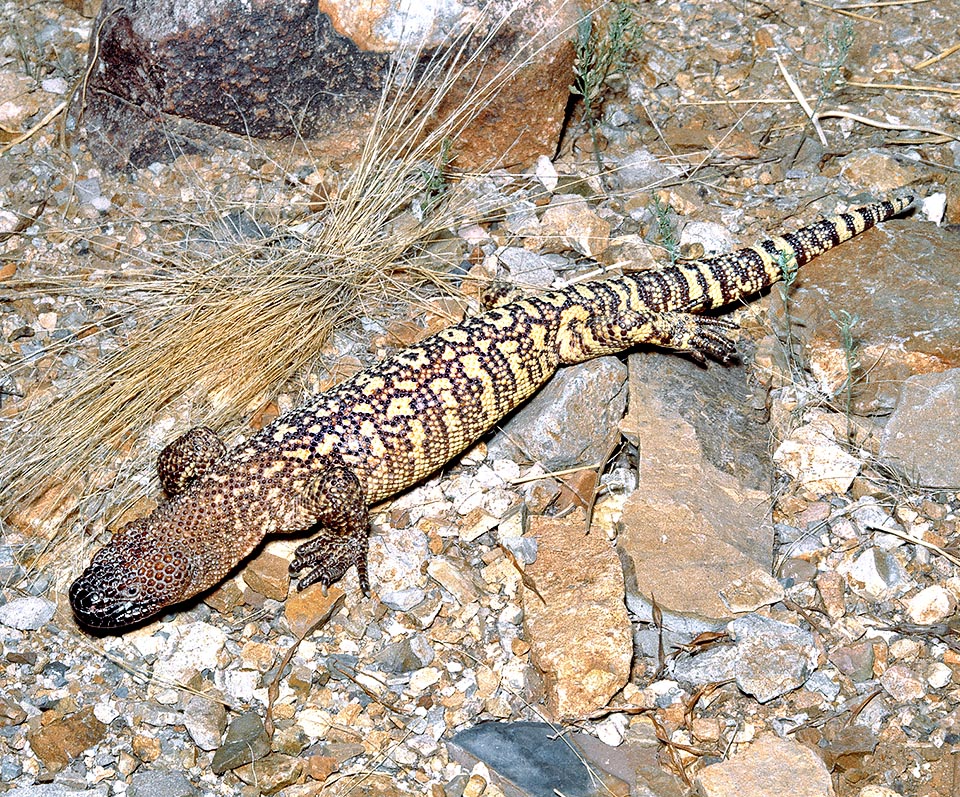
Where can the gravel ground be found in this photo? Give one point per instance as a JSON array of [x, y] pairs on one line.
[[833, 661]]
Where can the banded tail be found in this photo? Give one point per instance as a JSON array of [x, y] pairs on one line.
[[717, 281]]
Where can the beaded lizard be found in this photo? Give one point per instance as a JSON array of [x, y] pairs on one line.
[[321, 465]]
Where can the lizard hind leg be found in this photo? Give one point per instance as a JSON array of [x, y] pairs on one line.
[[187, 458], [336, 503]]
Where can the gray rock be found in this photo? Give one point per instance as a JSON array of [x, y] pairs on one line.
[[27, 614], [403, 600], [641, 170], [768, 658], [773, 657], [527, 269], [530, 757], [821, 682], [523, 548], [714, 665], [568, 422], [923, 434], [205, 720], [246, 741], [406, 655], [161, 784]]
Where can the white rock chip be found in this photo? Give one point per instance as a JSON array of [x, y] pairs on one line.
[[748, 594], [190, 649], [546, 173], [939, 675], [902, 684], [27, 614], [812, 456], [931, 605]]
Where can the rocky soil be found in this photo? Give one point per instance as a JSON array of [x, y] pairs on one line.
[[766, 600]]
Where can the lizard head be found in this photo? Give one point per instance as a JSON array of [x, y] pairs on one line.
[[132, 578]]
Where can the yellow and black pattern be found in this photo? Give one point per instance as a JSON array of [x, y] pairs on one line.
[[321, 465]]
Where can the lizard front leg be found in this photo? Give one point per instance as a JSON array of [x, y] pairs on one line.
[[335, 502], [697, 336], [582, 336], [187, 458]]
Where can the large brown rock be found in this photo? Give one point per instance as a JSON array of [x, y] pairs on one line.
[[897, 281], [578, 628], [176, 76], [694, 532], [57, 743]]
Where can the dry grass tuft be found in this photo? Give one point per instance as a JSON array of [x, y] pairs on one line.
[[222, 331]]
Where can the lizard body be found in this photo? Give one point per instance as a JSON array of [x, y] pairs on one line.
[[322, 464]]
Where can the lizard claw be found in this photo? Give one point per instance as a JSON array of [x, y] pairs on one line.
[[328, 560]]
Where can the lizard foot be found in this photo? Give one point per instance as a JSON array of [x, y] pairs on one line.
[[700, 337], [329, 558]]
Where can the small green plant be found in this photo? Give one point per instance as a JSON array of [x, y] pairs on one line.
[[837, 40], [788, 276], [666, 232], [435, 176], [845, 322], [599, 54]]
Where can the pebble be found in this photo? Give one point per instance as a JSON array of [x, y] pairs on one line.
[[246, 741], [773, 658], [458, 579], [855, 661], [87, 189], [749, 593], [306, 610], [527, 269], [875, 574], [269, 575], [531, 757], [406, 655], [158, 783], [815, 460], [902, 684], [271, 773], [569, 223], [878, 791], [205, 719], [546, 173], [939, 675], [61, 740], [830, 585], [190, 649]]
